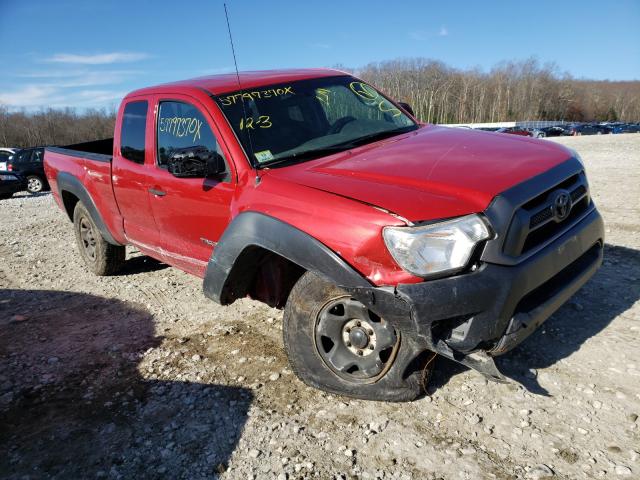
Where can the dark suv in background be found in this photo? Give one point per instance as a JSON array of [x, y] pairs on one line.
[[28, 164]]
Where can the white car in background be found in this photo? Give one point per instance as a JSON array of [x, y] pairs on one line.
[[5, 153]]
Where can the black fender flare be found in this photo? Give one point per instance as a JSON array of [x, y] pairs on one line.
[[253, 229], [71, 184]]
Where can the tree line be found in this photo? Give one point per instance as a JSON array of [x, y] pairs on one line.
[[511, 91], [54, 127]]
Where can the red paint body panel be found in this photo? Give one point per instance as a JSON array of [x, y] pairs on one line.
[[434, 172], [428, 174]]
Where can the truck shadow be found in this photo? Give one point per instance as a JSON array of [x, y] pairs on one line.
[[71, 388], [141, 264], [612, 291]]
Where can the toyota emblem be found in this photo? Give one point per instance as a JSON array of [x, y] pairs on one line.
[[561, 205]]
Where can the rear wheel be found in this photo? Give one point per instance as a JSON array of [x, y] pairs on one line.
[[335, 343], [34, 184], [101, 257]]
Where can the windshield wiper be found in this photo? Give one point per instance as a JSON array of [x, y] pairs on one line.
[[373, 137], [304, 155], [339, 147]]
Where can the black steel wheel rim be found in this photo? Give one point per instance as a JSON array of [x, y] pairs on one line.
[[353, 342]]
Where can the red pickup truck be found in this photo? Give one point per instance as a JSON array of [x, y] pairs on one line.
[[385, 240]]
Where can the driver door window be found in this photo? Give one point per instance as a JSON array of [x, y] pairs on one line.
[[179, 126]]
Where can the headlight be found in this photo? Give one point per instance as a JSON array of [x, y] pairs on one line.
[[442, 247]]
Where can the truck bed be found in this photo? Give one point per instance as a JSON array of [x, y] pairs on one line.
[[84, 172], [100, 150]]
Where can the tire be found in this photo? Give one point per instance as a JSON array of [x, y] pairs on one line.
[[101, 257], [35, 184], [304, 314]]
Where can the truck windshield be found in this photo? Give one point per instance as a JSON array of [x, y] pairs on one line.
[[302, 120]]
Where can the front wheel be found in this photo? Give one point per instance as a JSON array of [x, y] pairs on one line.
[[101, 257], [336, 344]]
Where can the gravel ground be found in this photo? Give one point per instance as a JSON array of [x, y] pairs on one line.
[[139, 376]]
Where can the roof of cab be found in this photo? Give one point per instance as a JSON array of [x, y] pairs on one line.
[[228, 82]]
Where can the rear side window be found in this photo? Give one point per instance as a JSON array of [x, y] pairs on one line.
[[134, 122], [181, 125], [22, 157]]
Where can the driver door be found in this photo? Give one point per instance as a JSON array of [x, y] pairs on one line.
[[191, 213]]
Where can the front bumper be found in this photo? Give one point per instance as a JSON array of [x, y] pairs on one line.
[[474, 316]]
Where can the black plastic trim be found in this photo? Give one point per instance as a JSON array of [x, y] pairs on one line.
[[69, 183], [253, 229], [485, 308], [506, 206]]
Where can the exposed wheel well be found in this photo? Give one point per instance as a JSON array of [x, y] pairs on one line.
[[69, 200], [262, 275]]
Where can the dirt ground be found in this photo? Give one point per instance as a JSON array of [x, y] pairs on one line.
[[140, 376]]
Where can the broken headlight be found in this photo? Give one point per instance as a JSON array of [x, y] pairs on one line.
[[438, 248]]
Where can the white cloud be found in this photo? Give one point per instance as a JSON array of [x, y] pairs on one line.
[[422, 35], [28, 96], [79, 78], [79, 87], [98, 59], [323, 46], [33, 97], [418, 35]]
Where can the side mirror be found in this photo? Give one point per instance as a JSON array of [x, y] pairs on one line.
[[195, 162], [407, 108]]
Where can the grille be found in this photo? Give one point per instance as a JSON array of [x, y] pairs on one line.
[[536, 222], [541, 217]]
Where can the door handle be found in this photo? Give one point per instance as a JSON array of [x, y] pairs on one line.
[[157, 193]]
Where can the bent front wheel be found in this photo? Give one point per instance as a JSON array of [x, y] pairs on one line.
[[336, 344]]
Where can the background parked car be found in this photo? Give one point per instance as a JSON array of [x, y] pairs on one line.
[[554, 131], [515, 131], [9, 184], [5, 154], [584, 129], [604, 129], [537, 132], [628, 128], [28, 164]]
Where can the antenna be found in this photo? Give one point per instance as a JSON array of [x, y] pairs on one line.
[[244, 109]]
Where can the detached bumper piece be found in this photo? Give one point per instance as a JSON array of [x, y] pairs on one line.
[[472, 317]]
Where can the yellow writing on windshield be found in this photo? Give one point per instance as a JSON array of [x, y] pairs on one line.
[[181, 127], [372, 97], [263, 121], [364, 91], [256, 95], [322, 94]]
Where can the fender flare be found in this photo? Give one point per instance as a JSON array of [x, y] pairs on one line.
[[253, 229], [71, 184]]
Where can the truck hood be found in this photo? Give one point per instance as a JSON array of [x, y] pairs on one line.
[[433, 172]]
